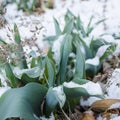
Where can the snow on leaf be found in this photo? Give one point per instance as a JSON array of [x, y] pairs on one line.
[[88, 86], [94, 61]]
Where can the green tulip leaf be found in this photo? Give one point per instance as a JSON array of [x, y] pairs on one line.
[[24, 102], [55, 96], [78, 88]]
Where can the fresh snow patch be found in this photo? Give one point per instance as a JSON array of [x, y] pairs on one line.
[[102, 50], [94, 61], [60, 95], [89, 101], [88, 86], [116, 118], [50, 118], [113, 85]]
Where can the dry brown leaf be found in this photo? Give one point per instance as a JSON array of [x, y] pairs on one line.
[[88, 115], [103, 105], [107, 114]]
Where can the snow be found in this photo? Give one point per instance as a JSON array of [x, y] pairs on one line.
[[94, 61], [50, 118], [88, 102], [60, 95], [102, 50], [88, 86], [116, 118], [44, 23], [113, 85]]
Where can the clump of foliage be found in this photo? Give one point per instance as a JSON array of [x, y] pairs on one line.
[[43, 85], [89, 45], [43, 78]]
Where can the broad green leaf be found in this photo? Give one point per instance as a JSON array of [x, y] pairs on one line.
[[80, 63], [66, 48], [78, 88], [57, 27], [10, 75], [55, 96], [28, 75], [24, 102]]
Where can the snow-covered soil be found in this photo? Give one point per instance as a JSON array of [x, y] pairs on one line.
[[36, 25]]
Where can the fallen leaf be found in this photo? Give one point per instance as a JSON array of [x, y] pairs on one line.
[[103, 105], [88, 115]]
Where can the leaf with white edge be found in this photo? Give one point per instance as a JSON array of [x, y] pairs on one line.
[[108, 51], [96, 44], [92, 66], [32, 72], [101, 51], [94, 61], [26, 104], [75, 89], [28, 75], [54, 97]]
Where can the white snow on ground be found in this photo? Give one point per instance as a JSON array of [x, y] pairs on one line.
[[113, 85], [116, 105], [94, 61], [38, 25], [87, 86]]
